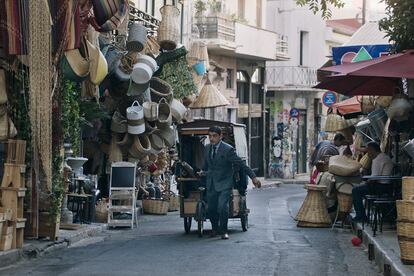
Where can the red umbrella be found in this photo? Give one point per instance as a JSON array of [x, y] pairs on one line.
[[351, 105], [393, 66], [359, 85]]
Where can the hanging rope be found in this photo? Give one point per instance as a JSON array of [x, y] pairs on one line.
[[40, 86]]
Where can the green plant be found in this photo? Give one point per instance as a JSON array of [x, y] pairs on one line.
[[71, 114], [58, 188], [90, 111], [398, 23], [200, 7], [178, 74], [236, 18], [322, 6], [215, 5]]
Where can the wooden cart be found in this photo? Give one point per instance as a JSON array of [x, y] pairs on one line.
[[191, 188]]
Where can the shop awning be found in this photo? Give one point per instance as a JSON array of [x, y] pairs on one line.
[[359, 85], [351, 105]]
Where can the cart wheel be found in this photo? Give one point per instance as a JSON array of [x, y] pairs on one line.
[[244, 222], [200, 217], [200, 229], [187, 225]]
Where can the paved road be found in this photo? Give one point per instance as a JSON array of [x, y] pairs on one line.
[[272, 246]]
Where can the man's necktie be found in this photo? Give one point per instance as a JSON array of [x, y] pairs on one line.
[[214, 151]]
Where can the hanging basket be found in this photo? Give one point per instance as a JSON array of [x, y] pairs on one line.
[[367, 104], [334, 122], [160, 89], [169, 30]]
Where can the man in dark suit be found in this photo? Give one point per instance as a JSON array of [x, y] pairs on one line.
[[219, 160]]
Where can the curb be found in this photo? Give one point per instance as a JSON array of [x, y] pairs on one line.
[[382, 258], [29, 251]]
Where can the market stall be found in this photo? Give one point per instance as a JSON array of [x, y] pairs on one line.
[[100, 86]]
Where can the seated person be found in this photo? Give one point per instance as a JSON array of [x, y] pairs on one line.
[[381, 165], [322, 149]]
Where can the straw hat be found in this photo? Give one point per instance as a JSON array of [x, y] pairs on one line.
[[209, 97], [98, 67]]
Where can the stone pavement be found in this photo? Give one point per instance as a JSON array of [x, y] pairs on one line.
[[386, 250], [35, 248]]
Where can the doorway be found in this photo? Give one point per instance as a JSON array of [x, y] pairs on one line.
[[301, 143]]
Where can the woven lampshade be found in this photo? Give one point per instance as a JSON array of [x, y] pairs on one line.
[[209, 97]]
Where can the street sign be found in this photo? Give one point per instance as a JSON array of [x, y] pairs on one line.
[[294, 113], [329, 98]]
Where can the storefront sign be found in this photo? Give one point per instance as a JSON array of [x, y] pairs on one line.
[[329, 99], [348, 54]]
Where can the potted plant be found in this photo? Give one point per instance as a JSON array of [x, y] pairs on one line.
[[200, 7], [215, 6]]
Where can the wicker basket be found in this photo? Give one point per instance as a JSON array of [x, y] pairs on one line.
[[405, 230], [155, 206], [407, 188], [334, 122], [406, 251], [405, 210], [169, 29], [314, 212], [344, 202], [174, 203], [366, 161], [367, 104]]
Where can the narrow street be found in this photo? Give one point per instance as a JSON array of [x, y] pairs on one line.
[[272, 246]]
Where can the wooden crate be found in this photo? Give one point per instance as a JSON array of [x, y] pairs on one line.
[[47, 228], [18, 233], [13, 198], [190, 206], [16, 151], [14, 176], [6, 242], [6, 213]]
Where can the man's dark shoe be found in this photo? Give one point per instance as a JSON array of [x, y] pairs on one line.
[[225, 236], [213, 234]]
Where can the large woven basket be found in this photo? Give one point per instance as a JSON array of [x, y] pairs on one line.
[[344, 202], [155, 206], [407, 188], [405, 230], [334, 122], [405, 210], [169, 32], [314, 211], [406, 251], [174, 203]]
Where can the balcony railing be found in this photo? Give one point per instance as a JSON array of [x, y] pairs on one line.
[[216, 28], [282, 47], [280, 76]]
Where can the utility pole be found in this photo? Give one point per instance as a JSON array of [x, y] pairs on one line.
[[364, 11]]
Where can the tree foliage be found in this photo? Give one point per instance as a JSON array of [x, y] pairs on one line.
[[398, 23], [323, 6]]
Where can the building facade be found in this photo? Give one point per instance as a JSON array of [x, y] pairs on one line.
[[296, 112]]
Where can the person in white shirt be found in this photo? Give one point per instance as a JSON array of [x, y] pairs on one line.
[[381, 165]]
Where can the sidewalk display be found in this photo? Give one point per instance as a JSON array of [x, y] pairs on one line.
[[110, 84]]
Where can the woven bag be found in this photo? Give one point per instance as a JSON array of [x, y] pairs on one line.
[[343, 166]]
